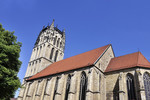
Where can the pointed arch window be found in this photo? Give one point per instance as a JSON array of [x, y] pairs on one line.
[[130, 87], [83, 86], [58, 42], [51, 55], [67, 87], [55, 40], [146, 79], [55, 89], [56, 54]]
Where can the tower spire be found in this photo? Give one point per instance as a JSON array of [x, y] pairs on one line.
[[52, 25]]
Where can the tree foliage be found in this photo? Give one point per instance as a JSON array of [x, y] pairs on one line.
[[9, 64]]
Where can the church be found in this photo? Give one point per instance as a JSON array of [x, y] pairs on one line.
[[93, 75]]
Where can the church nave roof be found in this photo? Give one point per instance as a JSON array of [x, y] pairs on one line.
[[74, 62]]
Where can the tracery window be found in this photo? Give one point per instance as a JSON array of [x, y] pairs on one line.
[[67, 87], [56, 54], [55, 40], [51, 55], [146, 79], [130, 87], [83, 86], [55, 89], [58, 42]]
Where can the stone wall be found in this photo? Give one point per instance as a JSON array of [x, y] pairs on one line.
[[44, 89], [116, 82]]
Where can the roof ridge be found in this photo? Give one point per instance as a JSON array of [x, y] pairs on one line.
[[125, 54], [80, 54], [85, 52]]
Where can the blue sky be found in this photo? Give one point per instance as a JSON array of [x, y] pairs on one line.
[[89, 24]]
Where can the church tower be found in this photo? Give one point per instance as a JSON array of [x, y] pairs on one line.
[[48, 48]]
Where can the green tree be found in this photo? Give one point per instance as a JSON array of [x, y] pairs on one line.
[[9, 64]]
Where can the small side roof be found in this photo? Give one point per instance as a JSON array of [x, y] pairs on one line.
[[75, 62], [128, 61]]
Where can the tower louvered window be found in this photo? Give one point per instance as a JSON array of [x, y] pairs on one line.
[[130, 87], [67, 87], [56, 54], [83, 86], [146, 78], [51, 55]]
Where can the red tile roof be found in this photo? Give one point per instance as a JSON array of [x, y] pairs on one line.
[[128, 61], [75, 62]]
